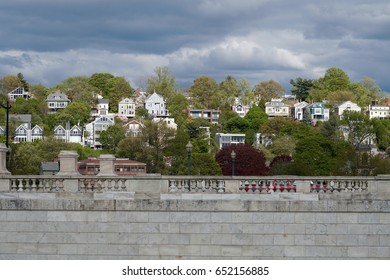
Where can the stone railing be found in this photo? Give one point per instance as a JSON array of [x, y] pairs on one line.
[[69, 180]]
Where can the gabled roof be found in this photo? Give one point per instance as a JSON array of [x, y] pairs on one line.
[[57, 96], [127, 100], [155, 97]]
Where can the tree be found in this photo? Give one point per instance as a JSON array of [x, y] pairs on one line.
[[269, 89], [202, 90], [336, 79], [330, 128], [316, 155], [9, 83], [101, 81], [301, 88], [77, 88], [283, 145], [111, 137], [162, 82], [79, 110], [359, 126], [202, 164], [119, 88], [279, 165], [236, 125], [23, 82], [248, 162], [256, 117]]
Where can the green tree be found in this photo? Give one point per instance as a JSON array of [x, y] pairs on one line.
[[119, 88], [256, 117], [77, 88], [202, 164], [301, 88], [162, 82], [236, 125], [330, 128], [23, 82], [269, 89], [9, 83], [101, 81], [202, 90], [111, 137]]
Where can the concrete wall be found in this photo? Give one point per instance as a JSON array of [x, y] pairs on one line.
[[135, 225]]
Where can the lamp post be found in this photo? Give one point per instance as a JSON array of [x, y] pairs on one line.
[[7, 107], [189, 150], [233, 155]]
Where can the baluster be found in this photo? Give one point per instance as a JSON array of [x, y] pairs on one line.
[[123, 186], [221, 186]]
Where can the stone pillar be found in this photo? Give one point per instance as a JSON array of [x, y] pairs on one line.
[[107, 165], [68, 163], [3, 160]]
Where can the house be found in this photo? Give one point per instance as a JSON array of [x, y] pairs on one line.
[[103, 106], [240, 109], [19, 93], [347, 106], [262, 139], [298, 110], [24, 133], [170, 122], [210, 115], [69, 135], [276, 108], [155, 104], [123, 166], [57, 100], [133, 128], [96, 127], [126, 107], [378, 111], [226, 139], [318, 112]]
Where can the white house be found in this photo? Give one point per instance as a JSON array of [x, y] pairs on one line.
[[126, 107], [170, 122], [155, 104], [347, 106], [69, 135], [103, 106], [240, 109], [298, 110], [19, 92], [24, 133], [96, 127], [133, 128], [276, 108], [57, 100], [226, 139], [206, 114], [378, 111]]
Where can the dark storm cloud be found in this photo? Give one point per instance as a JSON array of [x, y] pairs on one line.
[[254, 39]]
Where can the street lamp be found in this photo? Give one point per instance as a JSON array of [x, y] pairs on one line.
[[7, 107], [233, 155], [189, 150]]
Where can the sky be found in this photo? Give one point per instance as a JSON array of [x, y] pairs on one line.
[[259, 40]]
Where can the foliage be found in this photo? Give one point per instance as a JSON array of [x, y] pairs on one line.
[[23, 82], [330, 128], [359, 126], [9, 83], [279, 165], [283, 144], [248, 162], [201, 164], [256, 117], [316, 155], [118, 88], [77, 88], [236, 125], [202, 90], [162, 82], [111, 137], [301, 88], [101, 81], [268, 89]]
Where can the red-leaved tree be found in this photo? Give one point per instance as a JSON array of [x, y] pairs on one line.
[[248, 162]]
